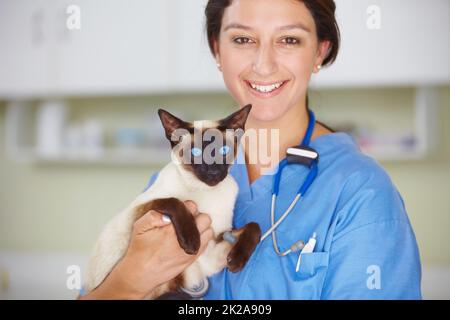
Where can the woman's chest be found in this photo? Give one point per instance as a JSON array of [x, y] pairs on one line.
[[269, 275]]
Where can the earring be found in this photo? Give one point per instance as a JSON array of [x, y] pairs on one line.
[[219, 66], [319, 67]]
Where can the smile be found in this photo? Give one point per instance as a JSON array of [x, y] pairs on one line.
[[266, 90]]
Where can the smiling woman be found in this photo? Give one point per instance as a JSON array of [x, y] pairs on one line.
[[267, 52]]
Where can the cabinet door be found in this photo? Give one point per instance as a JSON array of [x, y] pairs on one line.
[[410, 48], [24, 53], [121, 47], [193, 65]]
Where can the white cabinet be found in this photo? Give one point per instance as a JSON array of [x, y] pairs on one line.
[[193, 65], [24, 53], [410, 48], [121, 47], [160, 46]]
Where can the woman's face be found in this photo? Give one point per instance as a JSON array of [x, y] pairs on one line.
[[267, 51]]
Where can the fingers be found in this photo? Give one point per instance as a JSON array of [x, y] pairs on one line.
[[150, 220], [203, 222], [154, 219], [205, 237], [192, 207]]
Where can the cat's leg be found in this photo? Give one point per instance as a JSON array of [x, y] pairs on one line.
[[221, 253], [182, 220], [214, 258], [248, 238]]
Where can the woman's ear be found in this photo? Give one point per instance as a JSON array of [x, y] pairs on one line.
[[324, 48], [217, 55]]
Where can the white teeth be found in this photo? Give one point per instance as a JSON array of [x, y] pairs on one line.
[[266, 89]]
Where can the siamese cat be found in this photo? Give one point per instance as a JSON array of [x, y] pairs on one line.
[[206, 183]]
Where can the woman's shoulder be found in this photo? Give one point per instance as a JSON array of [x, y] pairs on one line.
[[340, 153], [367, 194]]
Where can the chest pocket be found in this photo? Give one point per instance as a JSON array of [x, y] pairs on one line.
[[273, 277], [308, 281], [310, 264]]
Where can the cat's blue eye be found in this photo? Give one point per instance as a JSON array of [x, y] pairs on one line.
[[196, 152], [224, 150]]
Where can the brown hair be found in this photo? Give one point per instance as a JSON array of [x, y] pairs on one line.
[[323, 12]]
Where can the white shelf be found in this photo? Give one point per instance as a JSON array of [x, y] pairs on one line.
[[20, 147], [392, 154], [425, 131]]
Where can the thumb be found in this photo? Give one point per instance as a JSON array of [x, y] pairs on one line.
[[150, 220]]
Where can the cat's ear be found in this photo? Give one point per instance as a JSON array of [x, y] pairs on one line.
[[237, 120], [171, 123]]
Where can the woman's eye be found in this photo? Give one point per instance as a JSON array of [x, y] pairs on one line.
[[291, 41], [241, 40], [224, 150], [196, 152]]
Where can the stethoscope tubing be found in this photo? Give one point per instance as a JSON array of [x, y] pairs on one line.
[[302, 190]]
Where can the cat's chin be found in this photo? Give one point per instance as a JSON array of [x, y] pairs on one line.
[[192, 182], [212, 184]]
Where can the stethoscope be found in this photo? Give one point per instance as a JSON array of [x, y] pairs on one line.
[[304, 155]]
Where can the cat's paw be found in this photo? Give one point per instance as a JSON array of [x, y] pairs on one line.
[[189, 242], [244, 247]]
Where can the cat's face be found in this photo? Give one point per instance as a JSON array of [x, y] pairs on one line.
[[205, 148]]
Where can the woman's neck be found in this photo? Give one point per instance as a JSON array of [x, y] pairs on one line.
[[292, 127]]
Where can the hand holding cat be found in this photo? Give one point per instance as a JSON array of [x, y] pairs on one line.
[[154, 256]]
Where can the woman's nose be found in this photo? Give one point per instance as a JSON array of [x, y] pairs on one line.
[[265, 62]]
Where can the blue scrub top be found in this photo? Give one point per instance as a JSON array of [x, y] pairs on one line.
[[366, 248]]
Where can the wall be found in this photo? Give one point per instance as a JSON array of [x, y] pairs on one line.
[[62, 208]]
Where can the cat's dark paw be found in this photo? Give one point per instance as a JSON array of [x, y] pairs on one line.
[[182, 220], [244, 247], [190, 242]]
